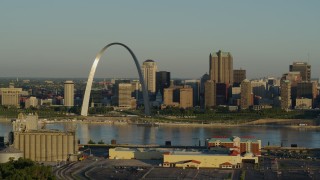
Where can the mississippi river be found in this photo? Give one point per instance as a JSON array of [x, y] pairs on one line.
[[182, 135]]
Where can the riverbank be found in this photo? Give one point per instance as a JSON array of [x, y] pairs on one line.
[[288, 123]]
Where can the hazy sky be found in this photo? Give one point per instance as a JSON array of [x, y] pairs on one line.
[[61, 38]]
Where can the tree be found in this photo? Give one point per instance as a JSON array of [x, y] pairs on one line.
[[91, 142], [25, 169], [100, 142]]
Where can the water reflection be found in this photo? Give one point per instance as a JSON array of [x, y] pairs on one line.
[[182, 135]]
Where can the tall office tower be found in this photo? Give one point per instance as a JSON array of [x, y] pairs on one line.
[[222, 93], [69, 93], [307, 90], [136, 90], [168, 96], [304, 68], [149, 69], [235, 96], [285, 94], [10, 96], [186, 97], [259, 88], [238, 76], [162, 81], [195, 85], [203, 80], [221, 67], [124, 95], [246, 94], [209, 94], [294, 78]]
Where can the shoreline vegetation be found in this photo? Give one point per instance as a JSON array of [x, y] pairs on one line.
[[266, 122], [173, 116]]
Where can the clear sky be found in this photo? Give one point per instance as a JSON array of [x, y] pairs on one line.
[[61, 38]]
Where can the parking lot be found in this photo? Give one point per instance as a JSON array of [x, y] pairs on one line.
[[158, 173]]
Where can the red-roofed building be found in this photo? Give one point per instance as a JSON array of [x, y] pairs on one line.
[[247, 144]]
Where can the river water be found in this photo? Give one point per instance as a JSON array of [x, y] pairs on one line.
[[182, 135]]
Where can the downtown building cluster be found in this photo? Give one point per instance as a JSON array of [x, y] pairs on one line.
[[223, 86], [37, 94]]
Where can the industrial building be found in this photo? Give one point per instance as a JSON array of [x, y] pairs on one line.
[[9, 153], [42, 144]]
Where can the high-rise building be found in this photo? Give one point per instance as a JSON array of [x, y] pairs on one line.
[[209, 94], [304, 68], [259, 88], [69, 93], [178, 96], [137, 91], [294, 77], [168, 96], [162, 81], [307, 90], [246, 94], [221, 67], [285, 94], [222, 93], [186, 97], [124, 95], [195, 85], [203, 80], [10, 96], [235, 96], [149, 69], [238, 76]]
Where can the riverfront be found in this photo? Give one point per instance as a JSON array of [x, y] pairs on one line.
[[187, 134]]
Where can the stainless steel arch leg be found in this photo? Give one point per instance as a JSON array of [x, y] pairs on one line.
[[85, 104]]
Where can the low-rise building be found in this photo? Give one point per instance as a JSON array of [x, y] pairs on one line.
[[205, 159], [244, 145], [135, 153]]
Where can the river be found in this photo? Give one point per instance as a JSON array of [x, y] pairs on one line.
[[182, 135]]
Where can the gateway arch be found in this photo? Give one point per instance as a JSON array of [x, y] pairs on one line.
[[85, 103]]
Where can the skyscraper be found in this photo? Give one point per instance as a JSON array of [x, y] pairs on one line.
[[203, 80], [149, 69], [246, 94], [162, 81], [186, 97], [221, 67], [304, 68], [69, 93], [209, 94], [307, 90], [285, 94], [124, 95], [168, 96], [238, 76], [178, 96]]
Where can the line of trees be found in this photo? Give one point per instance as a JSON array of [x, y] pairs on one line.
[[25, 169]]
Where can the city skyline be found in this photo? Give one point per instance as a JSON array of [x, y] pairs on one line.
[[60, 40]]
